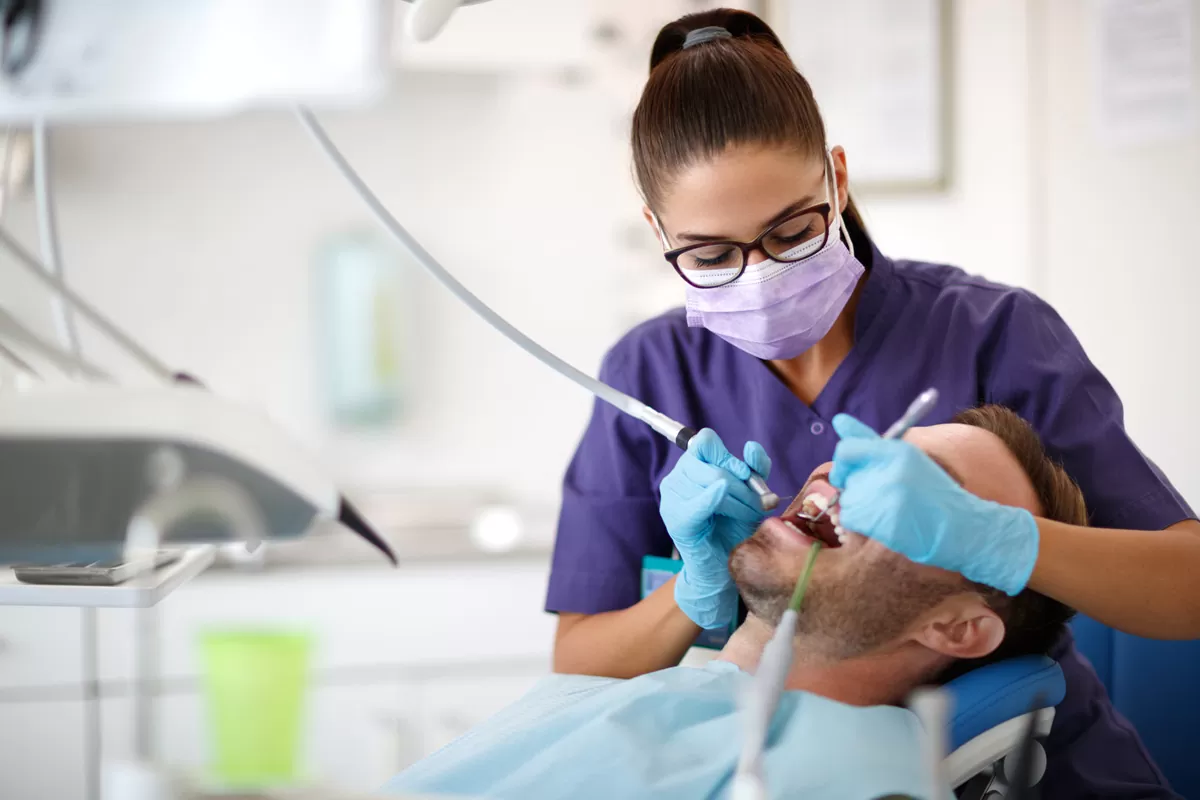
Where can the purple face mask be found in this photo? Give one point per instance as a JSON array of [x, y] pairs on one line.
[[776, 309]]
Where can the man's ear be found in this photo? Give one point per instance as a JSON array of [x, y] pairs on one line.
[[961, 627]]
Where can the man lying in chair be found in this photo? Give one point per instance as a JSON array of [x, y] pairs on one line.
[[873, 627]]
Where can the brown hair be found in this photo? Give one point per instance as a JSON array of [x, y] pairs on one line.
[[1033, 621], [741, 89]]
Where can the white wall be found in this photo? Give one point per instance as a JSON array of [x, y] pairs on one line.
[[1040, 200], [980, 223], [1120, 261]]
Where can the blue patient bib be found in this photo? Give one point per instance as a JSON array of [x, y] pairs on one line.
[[673, 733]]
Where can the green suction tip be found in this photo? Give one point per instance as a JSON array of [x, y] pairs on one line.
[[805, 575]]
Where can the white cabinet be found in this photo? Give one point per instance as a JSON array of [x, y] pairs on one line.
[[349, 738], [42, 751], [512, 35], [350, 741], [531, 35], [356, 616], [403, 661], [40, 647]]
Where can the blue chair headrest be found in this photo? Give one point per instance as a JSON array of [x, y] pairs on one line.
[[999, 692]]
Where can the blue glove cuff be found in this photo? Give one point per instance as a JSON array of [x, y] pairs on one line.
[[707, 608], [1010, 549]]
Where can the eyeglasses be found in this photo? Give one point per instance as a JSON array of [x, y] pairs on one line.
[[708, 265]]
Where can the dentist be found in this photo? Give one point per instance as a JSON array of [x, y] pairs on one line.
[[794, 316]]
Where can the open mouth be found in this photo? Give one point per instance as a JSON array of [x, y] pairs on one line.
[[822, 530], [815, 499]]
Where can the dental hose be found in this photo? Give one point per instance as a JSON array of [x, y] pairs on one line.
[[674, 431], [762, 696]]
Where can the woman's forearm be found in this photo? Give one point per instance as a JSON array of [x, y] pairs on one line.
[[1146, 583], [650, 635]]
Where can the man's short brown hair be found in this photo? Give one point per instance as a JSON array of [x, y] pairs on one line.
[[1033, 622]]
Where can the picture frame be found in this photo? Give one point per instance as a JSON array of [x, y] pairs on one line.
[[882, 74]]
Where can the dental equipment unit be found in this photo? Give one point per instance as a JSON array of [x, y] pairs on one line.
[[674, 431], [92, 467]]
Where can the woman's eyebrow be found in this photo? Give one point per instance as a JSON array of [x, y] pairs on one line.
[[802, 203]]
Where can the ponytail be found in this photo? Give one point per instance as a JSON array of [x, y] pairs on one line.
[[713, 92]]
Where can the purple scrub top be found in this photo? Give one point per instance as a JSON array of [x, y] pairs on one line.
[[917, 325]]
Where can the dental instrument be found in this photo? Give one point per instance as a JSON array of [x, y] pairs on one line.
[[762, 696], [64, 315], [17, 333], [674, 431], [932, 705], [916, 411]]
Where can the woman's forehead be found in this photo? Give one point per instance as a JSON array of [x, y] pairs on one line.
[[737, 192]]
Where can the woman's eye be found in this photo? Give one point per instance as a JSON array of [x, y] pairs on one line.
[[796, 238], [709, 258], [795, 231]]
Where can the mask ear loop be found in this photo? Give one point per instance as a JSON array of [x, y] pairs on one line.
[[662, 237], [837, 207]]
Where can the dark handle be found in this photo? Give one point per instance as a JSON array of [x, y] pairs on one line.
[[684, 436]]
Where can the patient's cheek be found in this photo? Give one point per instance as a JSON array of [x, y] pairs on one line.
[[856, 542]]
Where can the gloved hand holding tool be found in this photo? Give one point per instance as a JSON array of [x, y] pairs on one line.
[[894, 493], [708, 510]]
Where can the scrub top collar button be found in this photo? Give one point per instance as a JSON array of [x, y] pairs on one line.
[[817, 428]]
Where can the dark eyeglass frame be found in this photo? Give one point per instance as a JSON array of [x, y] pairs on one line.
[[747, 248]]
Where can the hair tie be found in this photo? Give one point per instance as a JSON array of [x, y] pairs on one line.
[[702, 35]]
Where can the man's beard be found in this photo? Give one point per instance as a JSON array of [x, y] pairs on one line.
[[845, 613]]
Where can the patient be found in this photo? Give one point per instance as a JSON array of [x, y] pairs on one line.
[[873, 627]]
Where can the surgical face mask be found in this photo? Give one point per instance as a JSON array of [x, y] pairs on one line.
[[779, 309]]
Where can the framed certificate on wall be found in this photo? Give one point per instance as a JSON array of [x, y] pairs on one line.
[[881, 72]]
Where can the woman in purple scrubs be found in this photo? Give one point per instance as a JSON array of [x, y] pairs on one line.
[[793, 316]]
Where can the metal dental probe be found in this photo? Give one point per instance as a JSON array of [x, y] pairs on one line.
[[677, 432], [916, 411]]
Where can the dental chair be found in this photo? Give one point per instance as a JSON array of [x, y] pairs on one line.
[[992, 708], [1153, 685]]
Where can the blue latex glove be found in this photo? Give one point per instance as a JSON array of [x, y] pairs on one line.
[[708, 510], [894, 493]]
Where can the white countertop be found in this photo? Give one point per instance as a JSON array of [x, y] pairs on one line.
[[140, 592]]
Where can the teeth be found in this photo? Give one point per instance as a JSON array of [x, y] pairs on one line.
[[817, 500], [835, 515], [793, 527]]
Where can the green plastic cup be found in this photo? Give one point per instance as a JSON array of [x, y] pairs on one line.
[[255, 683]]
